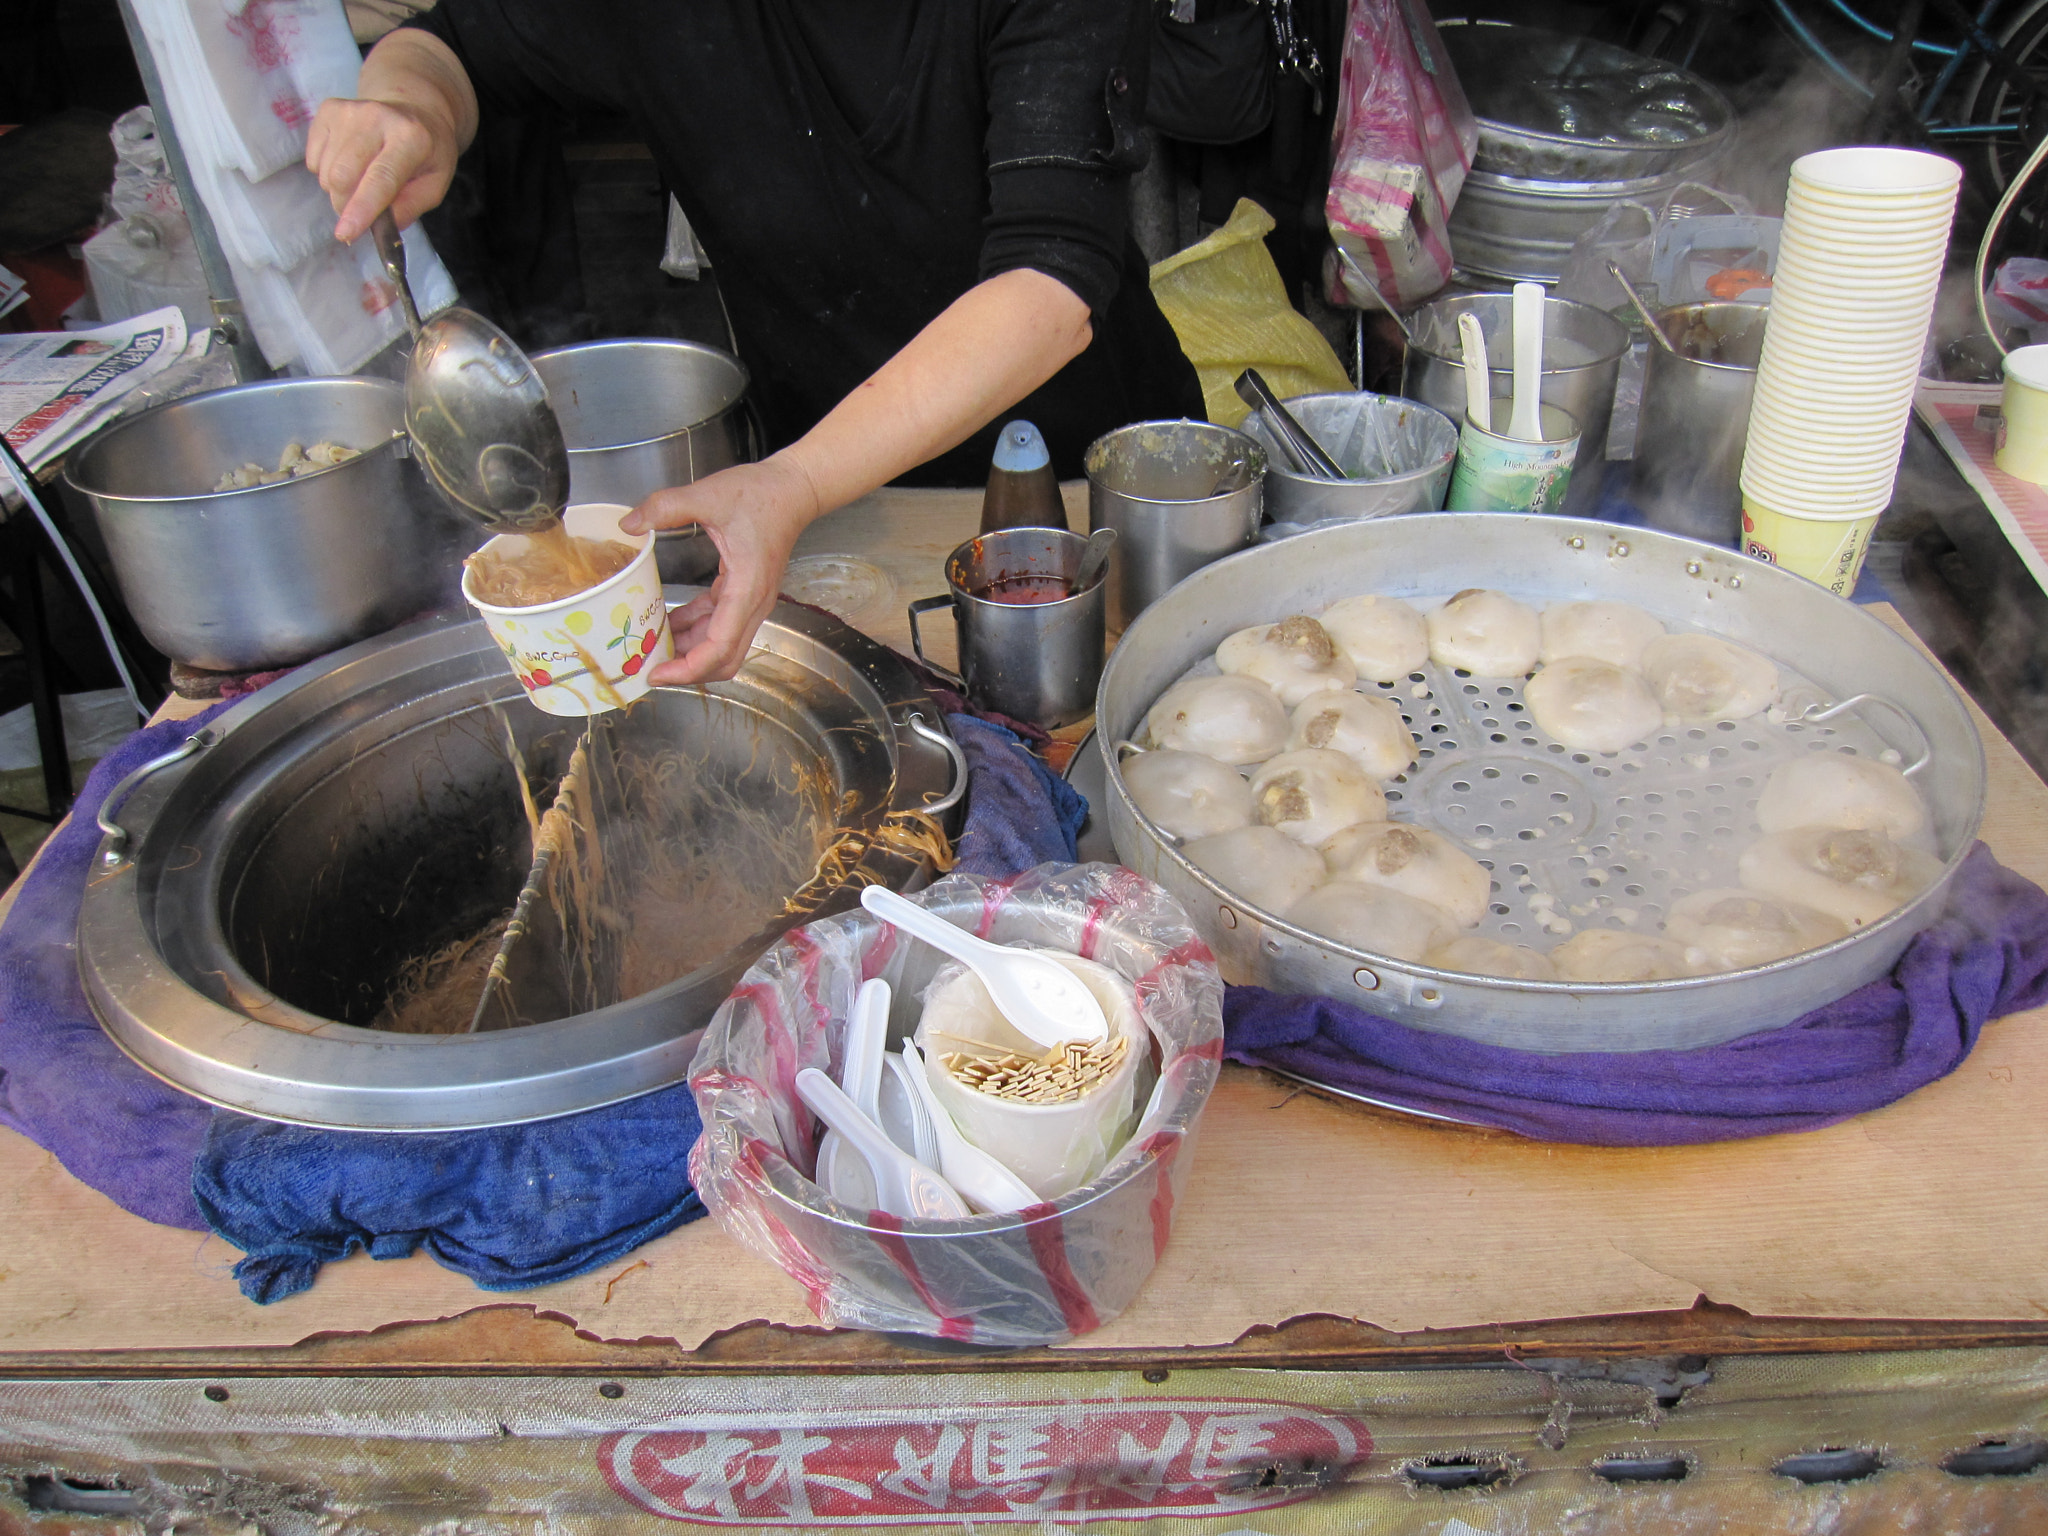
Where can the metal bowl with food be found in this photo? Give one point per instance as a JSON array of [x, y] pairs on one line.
[[1592, 840]]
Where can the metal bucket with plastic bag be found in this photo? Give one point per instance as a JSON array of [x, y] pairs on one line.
[[1049, 1273]]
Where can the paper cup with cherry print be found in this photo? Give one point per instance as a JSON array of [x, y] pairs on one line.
[[591, 652]]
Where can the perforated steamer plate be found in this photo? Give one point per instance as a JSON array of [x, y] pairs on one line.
[[1573, 839]]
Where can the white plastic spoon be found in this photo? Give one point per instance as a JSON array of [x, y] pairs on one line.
[[841, 1168], [1040, 997], [985, 1180], [1527, 421], [903, 1186], [1478, 372]]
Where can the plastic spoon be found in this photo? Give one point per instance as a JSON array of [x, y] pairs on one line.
[[1526, 422], [1093, 558], [841, 1168], [1042, 999], [903, 1114], [983, 1179], [903, 1186], [1478, 372]]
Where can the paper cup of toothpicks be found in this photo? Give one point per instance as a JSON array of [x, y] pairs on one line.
[[1054, 1116]]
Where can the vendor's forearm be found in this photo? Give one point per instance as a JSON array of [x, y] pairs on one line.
[[989, 349], [415, 69]]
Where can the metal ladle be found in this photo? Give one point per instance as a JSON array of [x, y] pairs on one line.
[[477, 413]]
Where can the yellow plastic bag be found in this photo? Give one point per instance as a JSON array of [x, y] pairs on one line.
[[1224, 298]]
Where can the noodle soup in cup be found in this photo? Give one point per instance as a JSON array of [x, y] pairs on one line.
[[589, 651]]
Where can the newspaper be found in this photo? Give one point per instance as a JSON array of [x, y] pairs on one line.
[[57, 386]]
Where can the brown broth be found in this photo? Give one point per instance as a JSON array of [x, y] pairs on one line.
[[528, 570]]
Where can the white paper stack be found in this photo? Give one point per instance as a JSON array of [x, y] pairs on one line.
[[243, 79]]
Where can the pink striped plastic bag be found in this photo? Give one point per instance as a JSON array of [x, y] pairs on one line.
[[1043, 1276]]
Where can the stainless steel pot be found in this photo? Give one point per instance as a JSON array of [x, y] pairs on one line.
[[1508, 227], [1355, 429], [1687, 475], [1564, 823], [1582, 351], [256, 899], [268, 575], [643, 413]]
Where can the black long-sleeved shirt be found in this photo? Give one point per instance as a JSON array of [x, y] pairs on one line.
[[853, 166]]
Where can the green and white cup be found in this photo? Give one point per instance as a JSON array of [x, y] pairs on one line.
[[1505, 474]]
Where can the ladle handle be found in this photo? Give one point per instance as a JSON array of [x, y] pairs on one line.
[[391, 251], [918, 609], [116, 834]]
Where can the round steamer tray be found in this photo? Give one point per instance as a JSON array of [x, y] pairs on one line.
[[1589, 839]]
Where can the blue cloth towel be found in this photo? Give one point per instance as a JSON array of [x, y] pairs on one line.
[[1020, 813]]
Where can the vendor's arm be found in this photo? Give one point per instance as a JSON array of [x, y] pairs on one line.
[[396, 143], [988, 349]]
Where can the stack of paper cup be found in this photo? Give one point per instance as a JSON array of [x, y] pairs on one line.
[[1859, 260]]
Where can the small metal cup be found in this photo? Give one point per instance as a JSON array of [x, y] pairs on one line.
[[1179, 494], [1037, 662], [1695, 419]]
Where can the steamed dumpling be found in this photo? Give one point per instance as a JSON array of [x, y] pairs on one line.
[[1611, 632], [1833, 789], [1414, 861], [1295, 658], [1313, 794], [1609, 954], [1382, 637], [1737, 929], [1857, 876], [1187, 794], [1367, 729], [1593, 706], [1490, 957], [1372, 917], [1703, 677], [1488, 634], [1259, 865], [1232, 719]]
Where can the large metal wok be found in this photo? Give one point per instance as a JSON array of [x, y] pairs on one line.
[[258, 898], [1614, 834]]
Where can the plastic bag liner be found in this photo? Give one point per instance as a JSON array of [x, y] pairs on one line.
[[1041, 1276]]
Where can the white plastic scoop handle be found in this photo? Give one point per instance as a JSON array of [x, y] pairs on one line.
[[982, 1177], [1042, 999], [903, 1186], [1527, 421], [841, 1167], [1478, 375]]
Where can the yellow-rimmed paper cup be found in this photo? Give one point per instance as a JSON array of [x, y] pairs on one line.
[[590, 652], [1826, 547], [2023, 426]]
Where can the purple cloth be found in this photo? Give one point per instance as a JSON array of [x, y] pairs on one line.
[[1020, 813], [1986, 957], [64, 1084]]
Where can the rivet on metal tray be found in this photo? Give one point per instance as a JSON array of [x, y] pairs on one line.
[[1734, 581], [1226, 917], [1576, 542], [1621, 549], [1429, 997], [1272, 946], [1692, 567], [1368, 979]]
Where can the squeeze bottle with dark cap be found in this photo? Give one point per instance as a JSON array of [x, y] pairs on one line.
[[1022, 490]]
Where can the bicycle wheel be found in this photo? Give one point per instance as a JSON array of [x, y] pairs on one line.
[[1997, 103]]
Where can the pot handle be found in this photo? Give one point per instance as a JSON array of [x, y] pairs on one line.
[[1817, 713], [926, 605], [943, 739], [116, 851]]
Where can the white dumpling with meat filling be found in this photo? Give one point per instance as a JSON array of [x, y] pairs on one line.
[[1187, 794], [1835, 789], [1855, 875], [1735, 930], [1414, 861], [1486, 633], [1703, 677], [1490, 957], [1313, 794], [1382, 637], [1371, 917], [1611, 632], [1609, 954], [1592, 706], [1232, 719], [1364, 727], [1295, 658], [1262, 867]]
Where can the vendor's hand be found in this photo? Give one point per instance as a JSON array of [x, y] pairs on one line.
[[753, 514], [373, 155]]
